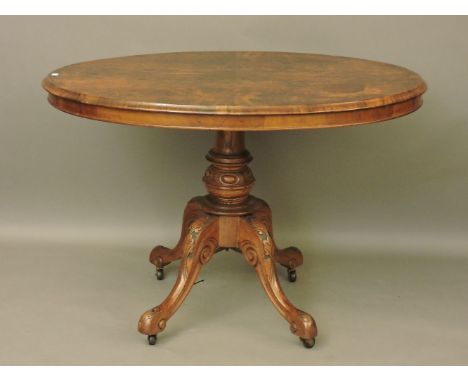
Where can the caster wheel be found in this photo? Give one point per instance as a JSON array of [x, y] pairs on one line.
[[160, 273], [152, 339], [292, 276], [308, 343]]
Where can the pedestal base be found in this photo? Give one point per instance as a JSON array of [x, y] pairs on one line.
[[227, 218], [203, 235]]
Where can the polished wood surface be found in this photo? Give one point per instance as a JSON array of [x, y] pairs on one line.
[[236, 90]]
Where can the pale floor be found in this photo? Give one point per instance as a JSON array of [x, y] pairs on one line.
[[64, 304]]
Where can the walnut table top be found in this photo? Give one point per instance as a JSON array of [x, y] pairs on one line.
[[235, 91]]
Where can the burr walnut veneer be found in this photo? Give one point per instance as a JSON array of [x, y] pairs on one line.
[[231, 93]]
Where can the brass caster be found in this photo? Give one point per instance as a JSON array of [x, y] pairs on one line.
[[308, 343], [152, 339], [160, 273], [292, 276]]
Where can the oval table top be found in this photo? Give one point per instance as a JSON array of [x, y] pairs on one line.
[[235, 90]]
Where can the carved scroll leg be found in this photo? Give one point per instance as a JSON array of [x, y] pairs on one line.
[[161, 256], [200, 243], [258, 247], [289, 258]]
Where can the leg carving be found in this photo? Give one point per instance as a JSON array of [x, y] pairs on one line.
[[197, 247], [161, 256], [290, 257], [258, 248]]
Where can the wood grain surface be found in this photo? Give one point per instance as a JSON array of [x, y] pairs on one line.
[[235, 90]]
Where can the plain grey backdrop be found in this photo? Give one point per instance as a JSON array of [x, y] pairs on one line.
[[381, 211]]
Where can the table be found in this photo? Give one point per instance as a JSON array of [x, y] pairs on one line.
[[232, 93]]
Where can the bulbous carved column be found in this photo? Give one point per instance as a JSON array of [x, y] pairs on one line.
[[229, 179]]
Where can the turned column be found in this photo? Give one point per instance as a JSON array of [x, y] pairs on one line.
[[229, 179]]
